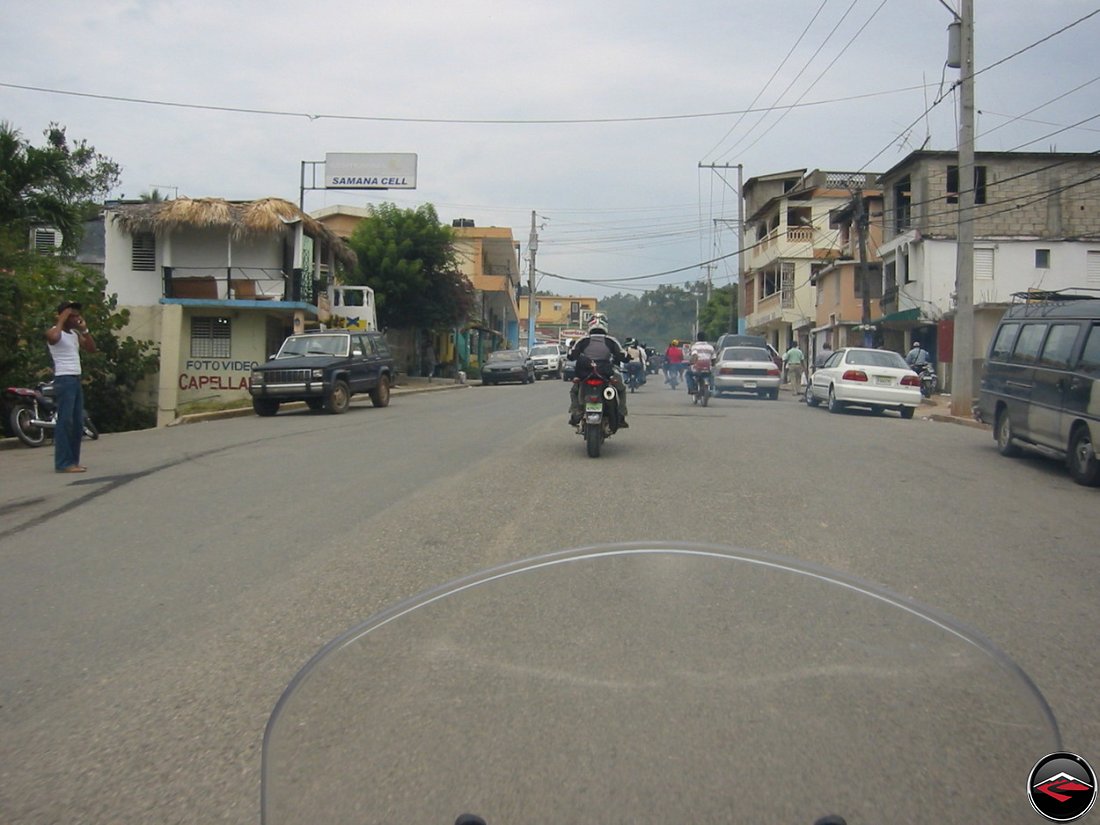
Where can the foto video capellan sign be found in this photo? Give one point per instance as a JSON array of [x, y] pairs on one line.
[[370, 170]]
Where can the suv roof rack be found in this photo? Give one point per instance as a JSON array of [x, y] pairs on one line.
[[1054, 295]]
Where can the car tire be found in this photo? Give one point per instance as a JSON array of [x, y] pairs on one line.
[[834, 405], [380, 395], [315, 404], [878, 410], [811, 399], [338, 398], [1083, 464], [906, 412], [265, 407], [1004, 435]]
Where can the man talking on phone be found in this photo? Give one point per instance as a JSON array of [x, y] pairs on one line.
[[67, 338]]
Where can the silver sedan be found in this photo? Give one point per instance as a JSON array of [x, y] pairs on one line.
[[746, 369], [875, 378]]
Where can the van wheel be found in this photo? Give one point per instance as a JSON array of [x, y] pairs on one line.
[[380, 395], [265, 406], [1083, 464], [1005, 435]]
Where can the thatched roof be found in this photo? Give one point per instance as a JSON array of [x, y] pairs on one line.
[[266, 216]]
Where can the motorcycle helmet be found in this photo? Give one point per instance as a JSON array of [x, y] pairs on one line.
[[597, 323], [675, 342]]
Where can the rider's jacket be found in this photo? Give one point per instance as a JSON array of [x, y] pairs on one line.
[[596, 353]]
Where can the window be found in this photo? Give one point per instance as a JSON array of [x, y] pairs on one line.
[[1027, 344], [953, 184], [983, 264], [1092, 269], [211, 337], [1059, 345], [143, 252], [874, 281], [903, 205], [787, 272], [1090, 358], [903, 257], [1002, 345], [1042, 259]]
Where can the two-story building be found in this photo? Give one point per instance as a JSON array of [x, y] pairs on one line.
[[1036, 227], [217, 285], [555, 314], [840, 283], [788, 240]]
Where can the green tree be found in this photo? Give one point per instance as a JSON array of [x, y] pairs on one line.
[[408, 258], [50, 185], [716, 318]]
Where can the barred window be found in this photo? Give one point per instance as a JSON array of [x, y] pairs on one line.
[[210, 337], [143, 253]]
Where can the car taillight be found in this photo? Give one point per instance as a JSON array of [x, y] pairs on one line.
[[773, 371], [854, 375], [910, 381]]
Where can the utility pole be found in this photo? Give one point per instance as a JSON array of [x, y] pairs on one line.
[[740, 236], [862, 221], [962, 362], [532, 248]]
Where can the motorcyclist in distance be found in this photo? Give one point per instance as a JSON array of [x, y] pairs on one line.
[[701, 358], [597, 353]]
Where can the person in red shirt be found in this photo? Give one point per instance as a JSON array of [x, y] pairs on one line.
[[674, 361]]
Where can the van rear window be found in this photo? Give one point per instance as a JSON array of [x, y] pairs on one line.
[[1027, 344], [1090, 358], [1002, 345]]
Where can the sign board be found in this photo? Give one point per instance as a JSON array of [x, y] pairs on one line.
[[361, 170]]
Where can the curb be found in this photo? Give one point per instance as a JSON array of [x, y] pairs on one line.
[[243, 412], [953, 419]]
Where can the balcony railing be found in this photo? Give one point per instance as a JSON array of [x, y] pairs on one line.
[[230, 283]]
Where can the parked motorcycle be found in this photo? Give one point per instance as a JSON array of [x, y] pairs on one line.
[[33, 413], [929, 380], [656, 682], [600, 418]]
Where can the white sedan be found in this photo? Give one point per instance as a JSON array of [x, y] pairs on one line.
[[875, 378]]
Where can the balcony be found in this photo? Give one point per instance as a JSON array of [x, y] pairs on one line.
[[232, 283]]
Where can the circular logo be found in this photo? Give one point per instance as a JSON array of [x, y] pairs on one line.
[[1062, 787]]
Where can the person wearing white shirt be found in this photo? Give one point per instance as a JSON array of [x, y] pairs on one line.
[[66, 338]]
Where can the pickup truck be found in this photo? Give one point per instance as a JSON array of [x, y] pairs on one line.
[[324, 368]]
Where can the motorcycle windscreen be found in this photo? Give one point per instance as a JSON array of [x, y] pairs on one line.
[[656, 684]]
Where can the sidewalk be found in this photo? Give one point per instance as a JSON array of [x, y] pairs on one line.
[[938, 408], [407, 385]]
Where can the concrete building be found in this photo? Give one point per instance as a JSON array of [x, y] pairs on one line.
[[217, 285], [555, 314], [838, 286], [1036, 227], [789, 241]]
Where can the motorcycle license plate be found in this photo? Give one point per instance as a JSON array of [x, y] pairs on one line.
[[884, 380], [594, 407]]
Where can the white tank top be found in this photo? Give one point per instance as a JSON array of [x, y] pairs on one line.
[[66, 354]]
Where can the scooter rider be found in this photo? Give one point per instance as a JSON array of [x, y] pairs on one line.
[[597, 352], [637, 364], [701, 359]]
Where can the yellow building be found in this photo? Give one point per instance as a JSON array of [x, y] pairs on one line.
[[553, 314]]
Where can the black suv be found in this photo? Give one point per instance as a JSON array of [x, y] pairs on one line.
[[324, 368]]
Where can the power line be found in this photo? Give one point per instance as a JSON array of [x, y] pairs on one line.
[[1037, 42], [461, 121]]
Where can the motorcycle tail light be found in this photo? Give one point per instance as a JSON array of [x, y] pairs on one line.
[[855, 375], [593, 382], [910, 381]]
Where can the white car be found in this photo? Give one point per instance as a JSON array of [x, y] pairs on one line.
[[875, 378], [548, 360], [746, 369]]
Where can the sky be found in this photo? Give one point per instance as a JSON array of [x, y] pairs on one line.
[[600, 117]]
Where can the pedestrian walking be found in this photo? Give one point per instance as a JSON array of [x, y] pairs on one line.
[[429, 360], [794, 359], [66, 338]]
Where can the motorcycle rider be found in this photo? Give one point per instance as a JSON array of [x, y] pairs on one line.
[[917, 355], [597, 353], [701, 358], [674, 360], [637, 363]]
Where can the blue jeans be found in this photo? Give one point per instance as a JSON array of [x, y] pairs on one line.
[[69, 397]]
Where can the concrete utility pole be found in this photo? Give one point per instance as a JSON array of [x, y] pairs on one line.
[[532, 248], [862, 220], [962, 363]]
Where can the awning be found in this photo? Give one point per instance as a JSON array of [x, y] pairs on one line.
[[903, 315]]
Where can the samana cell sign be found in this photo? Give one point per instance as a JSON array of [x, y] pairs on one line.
[[360, 170]]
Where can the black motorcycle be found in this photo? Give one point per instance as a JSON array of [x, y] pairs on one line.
[[33, 414], [929, 380], [600, 417]]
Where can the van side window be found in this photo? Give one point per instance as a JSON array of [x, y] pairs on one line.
[[1002, 346], [1059, 345], [1027, 344], [1090, 358]]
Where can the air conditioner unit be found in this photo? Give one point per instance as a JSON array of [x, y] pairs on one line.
[[45, 240]]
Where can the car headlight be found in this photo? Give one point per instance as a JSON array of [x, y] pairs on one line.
[[317, 374]]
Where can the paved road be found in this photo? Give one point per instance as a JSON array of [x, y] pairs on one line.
[[154, 609]]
